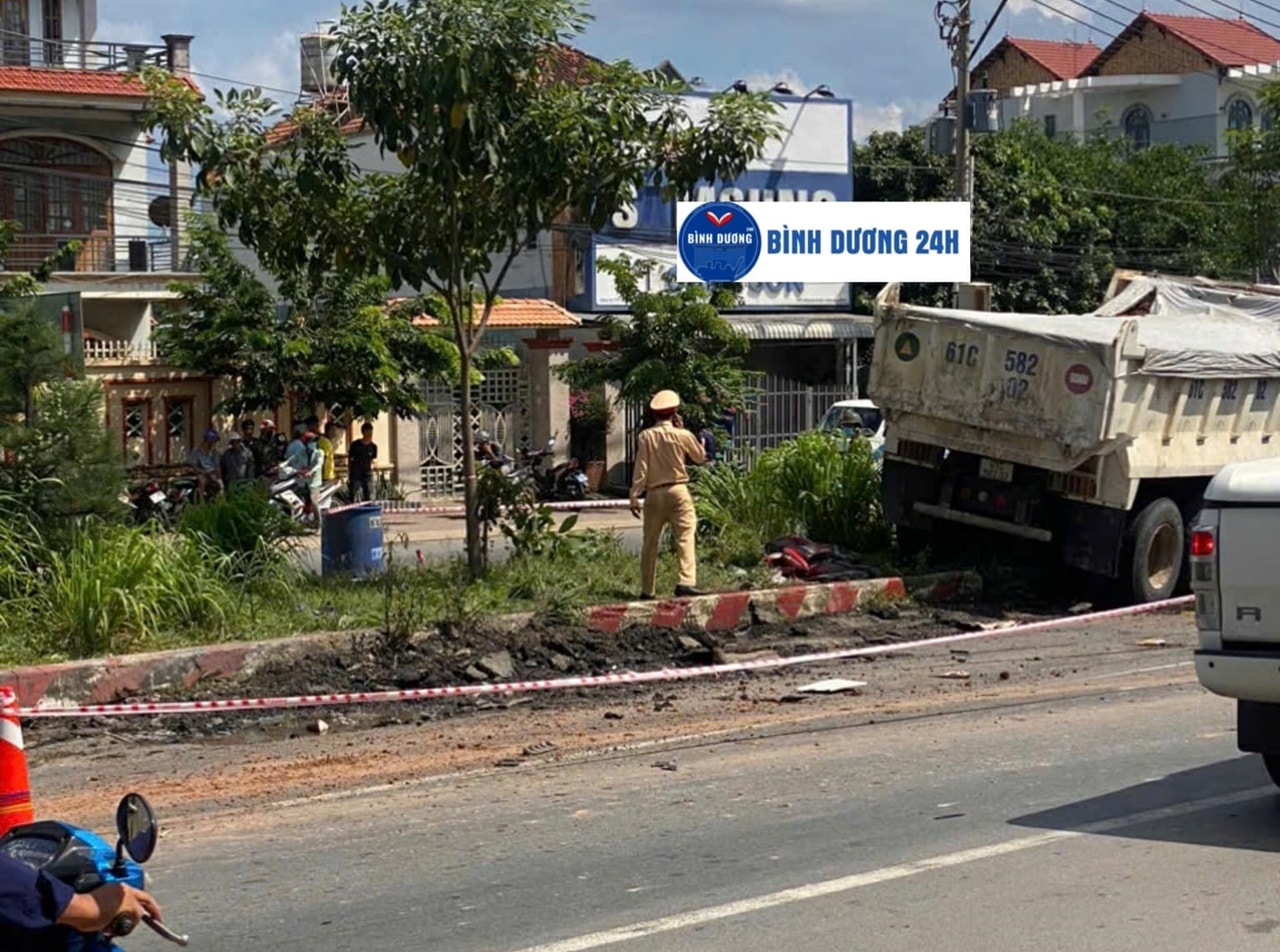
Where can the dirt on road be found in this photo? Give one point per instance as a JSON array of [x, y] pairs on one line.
[[226, 763]]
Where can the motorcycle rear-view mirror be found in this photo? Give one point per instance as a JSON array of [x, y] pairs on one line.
[[137, 826]]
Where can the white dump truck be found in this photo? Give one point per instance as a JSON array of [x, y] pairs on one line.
[[1233, 543], [1096, 434]]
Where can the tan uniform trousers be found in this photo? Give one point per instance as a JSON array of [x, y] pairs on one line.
[[669, 506]]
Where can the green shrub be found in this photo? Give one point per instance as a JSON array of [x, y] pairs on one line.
[[117, 588], [807, 486], [242, 525]]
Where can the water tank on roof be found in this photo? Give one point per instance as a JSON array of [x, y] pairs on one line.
[[318, 52]]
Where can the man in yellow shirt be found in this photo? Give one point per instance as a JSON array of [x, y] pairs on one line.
[[330, 469], [662, 478]]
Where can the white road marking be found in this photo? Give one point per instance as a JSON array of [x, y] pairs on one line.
[[1159, 667], [697, 917]]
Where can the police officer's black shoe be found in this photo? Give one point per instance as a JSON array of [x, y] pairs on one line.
[[687, 591]]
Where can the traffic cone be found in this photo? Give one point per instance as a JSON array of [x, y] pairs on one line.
[[15, 784]]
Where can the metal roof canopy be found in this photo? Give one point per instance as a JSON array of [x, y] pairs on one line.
[[788, 327], [801, 327]]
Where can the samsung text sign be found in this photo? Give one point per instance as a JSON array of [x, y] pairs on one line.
[[652, 218]]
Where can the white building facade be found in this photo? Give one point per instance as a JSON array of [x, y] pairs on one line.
[[80, 179], [1179, 80]]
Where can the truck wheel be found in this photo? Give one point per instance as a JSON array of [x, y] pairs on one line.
[[1157, 540], [1272, 763]]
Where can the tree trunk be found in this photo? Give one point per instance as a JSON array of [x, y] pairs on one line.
[[475, 544]]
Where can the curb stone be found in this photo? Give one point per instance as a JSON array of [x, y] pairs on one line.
[[107, 680]]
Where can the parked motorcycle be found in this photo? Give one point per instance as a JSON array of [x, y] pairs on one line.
[[152, 502], [285, 496], [564, 482], [84, 861]]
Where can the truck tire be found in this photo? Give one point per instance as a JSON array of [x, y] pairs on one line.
[[1272, 763], [1157, 538]]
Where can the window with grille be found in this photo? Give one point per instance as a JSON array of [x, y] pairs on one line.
[[1137, 126], [1239, 114], [177, 426], [53, 186], [52, 11], [15, 34], [135, 421], [179, 418]]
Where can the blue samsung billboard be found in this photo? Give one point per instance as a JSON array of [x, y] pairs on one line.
[[812, 161]]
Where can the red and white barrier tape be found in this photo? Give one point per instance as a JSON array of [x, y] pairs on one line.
[[581, 681], [390, 507]]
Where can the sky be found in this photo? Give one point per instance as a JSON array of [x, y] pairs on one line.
[[885, 55]]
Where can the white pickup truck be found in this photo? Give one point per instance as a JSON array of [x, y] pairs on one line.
[[1233, 576], [1095, 434]]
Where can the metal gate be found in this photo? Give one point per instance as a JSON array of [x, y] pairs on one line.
[[781, 409], [500, 404]]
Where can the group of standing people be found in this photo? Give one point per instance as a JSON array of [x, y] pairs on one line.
[[258, 456]]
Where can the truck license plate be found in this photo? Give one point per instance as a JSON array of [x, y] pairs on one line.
[[994, 469]]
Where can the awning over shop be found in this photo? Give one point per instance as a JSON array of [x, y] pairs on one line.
[[783, 327], [808, 327]]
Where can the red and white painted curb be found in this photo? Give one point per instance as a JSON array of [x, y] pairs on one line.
[[725, 611], [582, 681]]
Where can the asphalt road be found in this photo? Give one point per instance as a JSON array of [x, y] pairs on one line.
[[1117, 822]]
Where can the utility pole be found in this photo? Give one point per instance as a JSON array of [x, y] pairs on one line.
[[954, 21]]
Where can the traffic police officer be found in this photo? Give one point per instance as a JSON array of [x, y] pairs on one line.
[[662, 477]]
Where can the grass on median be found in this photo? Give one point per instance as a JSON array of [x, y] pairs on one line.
[[108, 594]]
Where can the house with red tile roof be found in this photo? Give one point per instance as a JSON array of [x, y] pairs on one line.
[[1164, 78], [1017, 61], [79, 177]]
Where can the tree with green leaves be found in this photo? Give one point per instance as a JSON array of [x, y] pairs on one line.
[[57, 461], [496, 150], [1053, 217], [339, 346], [1251, 187], [671, 340]]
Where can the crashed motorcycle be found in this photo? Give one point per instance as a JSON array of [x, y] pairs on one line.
[[84, 861]]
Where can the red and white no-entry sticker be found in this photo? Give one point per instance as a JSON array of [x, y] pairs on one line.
[[1079, 379]]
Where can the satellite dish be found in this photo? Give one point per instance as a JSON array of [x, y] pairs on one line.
[[160, 211]]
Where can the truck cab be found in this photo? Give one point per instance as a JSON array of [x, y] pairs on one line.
[[1237, 597]]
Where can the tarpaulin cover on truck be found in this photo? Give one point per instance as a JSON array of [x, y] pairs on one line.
[[1187, 328]]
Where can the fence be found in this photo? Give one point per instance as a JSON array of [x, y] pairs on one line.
[[781, 409], [499, 405]]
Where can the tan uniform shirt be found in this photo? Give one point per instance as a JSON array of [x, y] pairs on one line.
[[661, 458]]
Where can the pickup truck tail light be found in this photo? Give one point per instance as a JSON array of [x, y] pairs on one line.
[[1204, 577]]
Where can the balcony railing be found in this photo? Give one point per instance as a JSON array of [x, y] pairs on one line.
[[113, 351], [76, 54], [98, 254]]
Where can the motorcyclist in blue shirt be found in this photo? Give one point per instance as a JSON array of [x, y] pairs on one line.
[[32, 904]]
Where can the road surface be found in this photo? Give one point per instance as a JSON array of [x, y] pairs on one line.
[[439, 538], [1117, 816]]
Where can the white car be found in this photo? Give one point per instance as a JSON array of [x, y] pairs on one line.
[[850, 418]]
